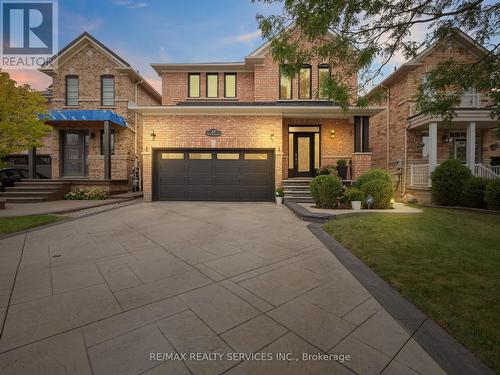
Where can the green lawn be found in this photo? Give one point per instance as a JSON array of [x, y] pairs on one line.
[[447, 262], [15, 224]]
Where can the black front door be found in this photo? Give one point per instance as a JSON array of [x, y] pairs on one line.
[[303, 145], [74, 163]]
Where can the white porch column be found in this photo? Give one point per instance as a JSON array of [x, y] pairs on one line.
[[471, 146], [432, 146]]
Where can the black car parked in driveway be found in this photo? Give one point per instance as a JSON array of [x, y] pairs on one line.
[[9, 176]]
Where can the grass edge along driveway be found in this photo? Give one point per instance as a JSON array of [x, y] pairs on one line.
[[447, 262], [19, 223]]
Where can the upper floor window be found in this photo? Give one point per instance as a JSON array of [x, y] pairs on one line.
[[323, 73], [285, 87], [193, 85], [72, 90], [230, 85], [107, 90], [305, 82], [212, 85]]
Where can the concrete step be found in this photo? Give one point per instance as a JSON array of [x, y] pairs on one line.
[[27, 193], [35, 188], [24, 199], [42, 183], [297, 193], [301, 199]]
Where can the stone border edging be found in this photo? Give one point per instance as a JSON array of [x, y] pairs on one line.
[[307, 215], [448, 353], [461, 208]]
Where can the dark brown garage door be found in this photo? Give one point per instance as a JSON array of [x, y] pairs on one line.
[[229, 175]]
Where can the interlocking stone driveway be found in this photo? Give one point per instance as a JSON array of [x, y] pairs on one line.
[[99, 294]]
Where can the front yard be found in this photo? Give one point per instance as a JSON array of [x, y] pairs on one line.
[[447, 262], [18, 223]]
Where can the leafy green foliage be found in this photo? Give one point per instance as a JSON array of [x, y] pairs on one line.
[[327, 169], [280, 192], [368, 34], [374, 174], [473, 193], [20, 126], [341, 163], [325, 189], [492, 195], [354, 194], [381, 190], [90, 194], [448, 181]]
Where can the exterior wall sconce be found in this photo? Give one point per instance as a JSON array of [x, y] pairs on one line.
[[446, 139], [332, 134], [272, 136], [152, 134]]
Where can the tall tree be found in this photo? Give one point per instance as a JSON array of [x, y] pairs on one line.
[[20, 109], [371, 32]]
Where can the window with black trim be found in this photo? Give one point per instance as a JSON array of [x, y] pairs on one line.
[[285, 87], [193, 85], [112, 142], [324, 72], [107, 90], [305, 82], [212, 85], [72, 90], [230, 85]]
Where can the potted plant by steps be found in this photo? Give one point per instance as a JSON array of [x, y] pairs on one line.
[[355, 196], [279, 195], [342, 168]]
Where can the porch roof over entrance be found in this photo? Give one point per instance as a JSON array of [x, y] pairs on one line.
[[69, 115], [480, 116]]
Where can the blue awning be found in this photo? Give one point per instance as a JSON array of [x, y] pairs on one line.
[[85, 115]]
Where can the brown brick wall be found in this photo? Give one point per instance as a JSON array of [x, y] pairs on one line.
[[238, 132]]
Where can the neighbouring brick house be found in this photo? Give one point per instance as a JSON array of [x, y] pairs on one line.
[[411, 145], [235, 131], [92, 86]]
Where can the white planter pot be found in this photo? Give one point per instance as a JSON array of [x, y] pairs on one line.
[[279, 200], [356, 205]]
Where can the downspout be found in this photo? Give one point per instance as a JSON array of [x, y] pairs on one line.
[[387, 124], [403, 193], [136, 159]]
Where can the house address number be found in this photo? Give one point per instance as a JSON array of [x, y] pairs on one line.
[[213, 133]]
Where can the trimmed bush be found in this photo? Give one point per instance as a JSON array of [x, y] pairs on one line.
[[492, 195], [448, 181], [473, 193], [327, 170], [354, 194], [381, 190], [325, 190], [374, 174]]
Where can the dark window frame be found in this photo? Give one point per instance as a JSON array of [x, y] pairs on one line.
[[361, 134], [206, 85], [72, 76], [103, 77], [113, 141], [279, 88], [307, 66], [235, 85], [189, 85], [323, 66]]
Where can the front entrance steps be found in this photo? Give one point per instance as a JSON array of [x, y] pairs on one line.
[[297, 190], [33, 191]]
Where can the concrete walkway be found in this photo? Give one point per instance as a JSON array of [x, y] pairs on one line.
[[119, 291]]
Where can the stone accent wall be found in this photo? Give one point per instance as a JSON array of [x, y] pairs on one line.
[[188, 131]]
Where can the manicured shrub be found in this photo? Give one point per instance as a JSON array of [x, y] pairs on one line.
[[492, 195], [325, 190], [91, 194], [327, 169], [448, 181], [381, 190], [374, 174], [354, 194], [473, 193]]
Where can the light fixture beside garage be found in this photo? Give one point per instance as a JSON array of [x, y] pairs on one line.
[[152, 134], [272, 136], [332, 134]]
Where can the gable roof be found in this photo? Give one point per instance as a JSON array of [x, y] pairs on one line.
[[459, 35], [82, 40]]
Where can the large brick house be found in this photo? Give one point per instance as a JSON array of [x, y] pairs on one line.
[[411, 145], [235, 131]]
